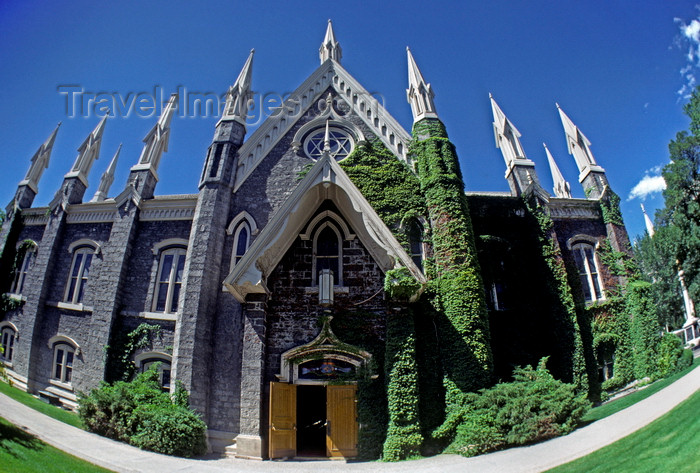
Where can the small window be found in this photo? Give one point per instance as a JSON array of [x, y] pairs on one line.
[[169, 280], [79, 272], [414, 232], [163, 370], [241, 241], [25, 258], [584, 257], [7, 340], [63, 362], [327, 246]]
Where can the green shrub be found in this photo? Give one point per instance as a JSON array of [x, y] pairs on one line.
[[532, 408], [669, 352], [685, 360], [173, 430], [140, 413]]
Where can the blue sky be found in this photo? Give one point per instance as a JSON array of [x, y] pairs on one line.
[[619, 69]]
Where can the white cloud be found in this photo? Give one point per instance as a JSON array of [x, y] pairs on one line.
[[689, 40], [647, 186]]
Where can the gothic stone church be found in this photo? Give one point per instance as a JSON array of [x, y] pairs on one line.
[[273, 286]]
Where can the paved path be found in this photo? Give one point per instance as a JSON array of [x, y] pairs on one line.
[[536, 458]]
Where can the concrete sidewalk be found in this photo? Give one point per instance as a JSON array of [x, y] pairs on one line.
[[536, 458]]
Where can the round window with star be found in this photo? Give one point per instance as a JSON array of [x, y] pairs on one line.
[[341, 143]]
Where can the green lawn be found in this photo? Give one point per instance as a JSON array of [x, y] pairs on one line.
[[617, 405], [669, 444], [21, 452], [27, 399]]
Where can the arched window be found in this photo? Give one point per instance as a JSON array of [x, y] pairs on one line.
[[7, 340], [79, 272], [414, 232], [584, 257], [146, 360], [327, 253], [24, 260], [241, 241], [169, 280], [63, 355]]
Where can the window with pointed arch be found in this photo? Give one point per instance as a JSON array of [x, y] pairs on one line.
[[63, 355], [7, 340], [327, 251], [24, 260], [414, 232], [79, 273], [241, 240], [587, 265], [169, 279]]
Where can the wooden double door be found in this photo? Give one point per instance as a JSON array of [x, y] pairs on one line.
[[312, 420]]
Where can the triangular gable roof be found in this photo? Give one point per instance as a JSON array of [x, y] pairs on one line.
[[328, 74], [325, 180]]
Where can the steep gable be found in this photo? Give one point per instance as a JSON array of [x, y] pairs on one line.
[[311, 93]]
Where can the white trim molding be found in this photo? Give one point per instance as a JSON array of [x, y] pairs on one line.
[[161, 245], [56, 339]]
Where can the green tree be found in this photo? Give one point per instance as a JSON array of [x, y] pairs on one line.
[[682, 208], [676, 242]]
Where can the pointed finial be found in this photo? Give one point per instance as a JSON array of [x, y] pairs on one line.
[[239, 94], [562, 189], [327, 138], [107, 178], [647, 222], [330, 48], [39, 162], [419, 93], [156, 141], [506, 135], [88, 152], [578, 144]]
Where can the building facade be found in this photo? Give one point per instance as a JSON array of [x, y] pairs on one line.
[[268, 287]]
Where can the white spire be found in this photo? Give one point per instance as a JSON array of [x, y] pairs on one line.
[[330, 48], [107, 178], [647, 222], [506, 135], [562, 189], [156, 141], [88, 152], [39, 162], [419, 94], [239, 94], [579, 146]]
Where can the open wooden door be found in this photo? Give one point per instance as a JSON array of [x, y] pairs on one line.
[[283, 420], [341, 425]]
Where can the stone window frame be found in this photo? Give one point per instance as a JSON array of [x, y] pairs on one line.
[[581, 243], [178, 250], [64, 348], [84, 247], [420, 256], [8, 336], [28, 255], [144, 360], [241, 221]]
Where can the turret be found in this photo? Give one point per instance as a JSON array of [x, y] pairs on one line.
[[230, 130], [107, 179], [419, 93], [88, 152], [591, 176], [330, 48], [562, 189], [29, 186], [520, 171]]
